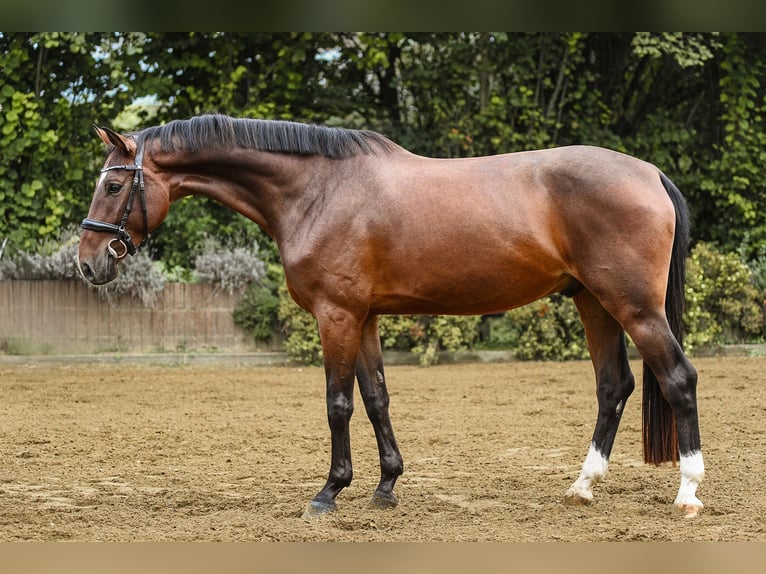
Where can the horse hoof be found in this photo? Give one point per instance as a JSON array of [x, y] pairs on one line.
[[383, 500], [689, 510], [576, 498], [316, 508]]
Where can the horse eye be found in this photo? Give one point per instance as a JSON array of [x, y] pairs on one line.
[[113, 188]]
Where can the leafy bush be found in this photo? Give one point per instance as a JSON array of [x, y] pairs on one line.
[[722, 299], [258, 310], [428, 335], [302, 344], [548, 329]]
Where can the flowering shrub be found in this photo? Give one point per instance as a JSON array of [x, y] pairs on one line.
[[232, 268]]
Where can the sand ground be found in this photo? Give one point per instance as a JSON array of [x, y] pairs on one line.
[[150, 453]]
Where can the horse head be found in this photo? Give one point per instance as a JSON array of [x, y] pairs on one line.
[[123, 209]]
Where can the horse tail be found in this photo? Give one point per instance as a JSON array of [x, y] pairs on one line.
[[660, 440]]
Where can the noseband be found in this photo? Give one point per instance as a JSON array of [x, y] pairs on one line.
[[123, 245]]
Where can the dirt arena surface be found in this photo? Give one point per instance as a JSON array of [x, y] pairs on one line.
[[126, 452]]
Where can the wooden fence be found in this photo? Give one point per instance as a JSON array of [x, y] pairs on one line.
[[47, 317]]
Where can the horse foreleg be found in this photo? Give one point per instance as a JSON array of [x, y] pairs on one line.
[[372, 385], [614, 384], [340, 333]]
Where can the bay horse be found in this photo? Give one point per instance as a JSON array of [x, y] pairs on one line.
[[365, 227]]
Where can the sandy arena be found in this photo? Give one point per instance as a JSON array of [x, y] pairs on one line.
[[148, 453]]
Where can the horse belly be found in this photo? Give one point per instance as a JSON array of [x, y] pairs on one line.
[[458, 280]]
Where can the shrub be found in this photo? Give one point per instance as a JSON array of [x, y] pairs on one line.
[[428, 335], [139, 277], [56, 259], [231, 268], [302, 344], [443, 333], [548, 329], [52, 259], [723, 303], [258, 310]]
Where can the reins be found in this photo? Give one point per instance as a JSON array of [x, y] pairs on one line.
[[124, 243]]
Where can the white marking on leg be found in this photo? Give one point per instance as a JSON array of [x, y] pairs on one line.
[[692, 472], [618, 409], [593, 470]]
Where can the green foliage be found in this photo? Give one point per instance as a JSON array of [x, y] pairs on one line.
[[723, 302], [548, 329], [258, 310], [693, 103], [303, 344], [733, 187], [757, 267], [428, 335], [686, 49], [54, 85], [191, 223]]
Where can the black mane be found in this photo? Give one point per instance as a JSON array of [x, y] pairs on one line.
[[217, 130]]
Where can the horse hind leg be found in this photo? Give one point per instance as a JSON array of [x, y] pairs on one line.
[[614, 384], [666, 363], [372, 386]]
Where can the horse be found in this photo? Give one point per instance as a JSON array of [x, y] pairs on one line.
[[365, 228]]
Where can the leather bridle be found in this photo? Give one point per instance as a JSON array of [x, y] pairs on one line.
[[122, 244]]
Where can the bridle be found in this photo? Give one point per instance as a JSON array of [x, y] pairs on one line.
[[123, 245]]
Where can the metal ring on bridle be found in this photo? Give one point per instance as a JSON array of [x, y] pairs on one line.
[[113, 252]]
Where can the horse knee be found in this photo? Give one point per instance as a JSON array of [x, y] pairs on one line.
[[339, 409]]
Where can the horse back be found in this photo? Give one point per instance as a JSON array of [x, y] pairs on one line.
[[480, 235]]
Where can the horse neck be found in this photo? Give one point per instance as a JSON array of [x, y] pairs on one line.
[[268, 188]]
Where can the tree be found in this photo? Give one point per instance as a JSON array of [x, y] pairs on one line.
[[55, 85], [693, 104]]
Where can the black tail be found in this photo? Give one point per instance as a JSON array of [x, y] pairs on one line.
[[659, 426]]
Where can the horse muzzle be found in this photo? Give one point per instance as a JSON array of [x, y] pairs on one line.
[[101, 268]]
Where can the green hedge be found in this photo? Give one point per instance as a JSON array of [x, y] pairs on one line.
[[548, 329]]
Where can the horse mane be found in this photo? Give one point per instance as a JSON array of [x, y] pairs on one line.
[[218, 130]]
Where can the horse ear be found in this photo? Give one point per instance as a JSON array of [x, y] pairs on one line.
[[111, 137]]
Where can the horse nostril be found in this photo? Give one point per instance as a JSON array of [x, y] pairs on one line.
[[87, 272]]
